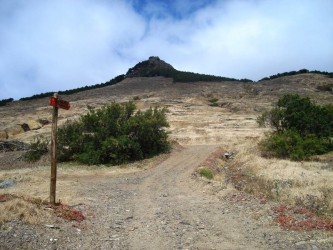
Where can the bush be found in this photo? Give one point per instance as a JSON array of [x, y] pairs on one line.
[[37, 149], [290, 144], [114, 134], [301, 128]]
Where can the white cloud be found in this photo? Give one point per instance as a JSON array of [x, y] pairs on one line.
[[245, 38], [51, 45]]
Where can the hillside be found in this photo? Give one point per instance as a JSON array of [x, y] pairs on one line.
[[236, 97], [163, 202]]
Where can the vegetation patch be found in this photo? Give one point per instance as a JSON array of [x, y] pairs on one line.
[[301, 129], [114, 134], [305, 213], [245, 179], [206, 172], [37, 149]]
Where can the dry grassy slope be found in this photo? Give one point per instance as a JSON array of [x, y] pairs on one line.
[[193, 121], [183, 99]]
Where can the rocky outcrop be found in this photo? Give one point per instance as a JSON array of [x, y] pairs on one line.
[[154, 66], [34, 125], [11, 131]]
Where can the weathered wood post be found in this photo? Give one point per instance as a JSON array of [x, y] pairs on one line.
[[56, 103], [53, 182]]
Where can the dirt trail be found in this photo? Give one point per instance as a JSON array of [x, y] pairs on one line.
[[163, 207], [172, 213]]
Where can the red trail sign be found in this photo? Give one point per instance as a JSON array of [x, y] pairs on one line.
[[55, 102]]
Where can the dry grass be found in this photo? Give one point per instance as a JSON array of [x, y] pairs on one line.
[[35, 182], [18, 209], [308, 184]]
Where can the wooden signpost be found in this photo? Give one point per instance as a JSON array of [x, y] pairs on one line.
[[56, 103]]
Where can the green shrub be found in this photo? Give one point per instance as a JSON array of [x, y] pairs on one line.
[[286, 144], [37, 149], [114, 134], [290, 144], [301, 128], [206, 172]]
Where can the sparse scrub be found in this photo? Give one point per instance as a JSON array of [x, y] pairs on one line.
[[282, 190], [37, 149], [321, 204], [293, 183]]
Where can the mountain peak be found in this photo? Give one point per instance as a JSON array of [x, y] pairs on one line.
[[152, 67]]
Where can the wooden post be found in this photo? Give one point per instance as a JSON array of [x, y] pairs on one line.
[[53, 182]]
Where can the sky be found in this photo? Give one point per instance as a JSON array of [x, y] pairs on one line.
[[52, 45]]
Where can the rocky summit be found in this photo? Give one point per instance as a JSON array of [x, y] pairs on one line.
[[151, 67]]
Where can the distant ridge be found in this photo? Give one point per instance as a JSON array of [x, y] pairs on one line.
[[301, 71], [154, 66]]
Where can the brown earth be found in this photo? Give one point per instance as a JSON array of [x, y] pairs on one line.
[[160, 202]]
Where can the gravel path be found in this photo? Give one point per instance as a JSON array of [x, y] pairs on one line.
[[164, 207]]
